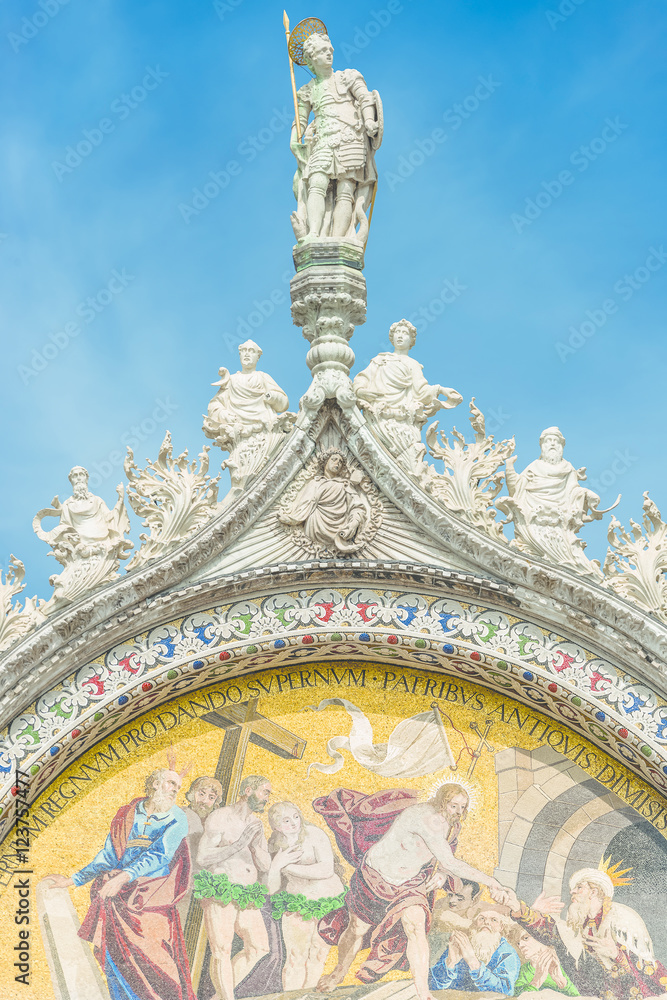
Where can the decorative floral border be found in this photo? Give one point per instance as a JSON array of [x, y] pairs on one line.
[[564, 681]]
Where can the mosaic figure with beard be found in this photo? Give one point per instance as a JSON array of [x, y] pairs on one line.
[[604, 947], [479, 960], [232, 853], [138, 878], [203, 796], [402, 851]]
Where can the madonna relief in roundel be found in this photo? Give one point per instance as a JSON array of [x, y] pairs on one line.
[[332, 508]]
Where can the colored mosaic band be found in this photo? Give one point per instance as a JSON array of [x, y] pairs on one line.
[[218, 887], [309, 909]]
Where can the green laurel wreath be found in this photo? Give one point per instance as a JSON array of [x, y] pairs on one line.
[[207, 885], [308, 909]]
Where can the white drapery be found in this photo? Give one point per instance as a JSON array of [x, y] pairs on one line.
[[417, 746]]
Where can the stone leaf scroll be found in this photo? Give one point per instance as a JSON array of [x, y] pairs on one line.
[[416, 747]]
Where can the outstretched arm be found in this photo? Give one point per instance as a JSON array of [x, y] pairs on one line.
[[442, 852]]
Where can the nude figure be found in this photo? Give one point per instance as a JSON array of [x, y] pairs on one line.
[[304, 868], [419, 836], [232, 854]]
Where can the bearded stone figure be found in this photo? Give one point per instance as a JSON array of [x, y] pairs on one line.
[[336, 174], [397, 400], [89, 540], [548, 506]]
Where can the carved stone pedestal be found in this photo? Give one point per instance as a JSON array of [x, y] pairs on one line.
[[328, 301]]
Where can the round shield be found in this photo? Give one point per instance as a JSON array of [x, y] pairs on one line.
[[299, 33]]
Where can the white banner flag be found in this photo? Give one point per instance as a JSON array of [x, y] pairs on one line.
[[417, 746]]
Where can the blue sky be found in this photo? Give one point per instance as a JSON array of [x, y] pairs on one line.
[[540, 199]]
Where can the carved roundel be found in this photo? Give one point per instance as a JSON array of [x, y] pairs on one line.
[[332, 508]]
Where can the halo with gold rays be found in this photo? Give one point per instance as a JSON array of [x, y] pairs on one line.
[[300, 32]]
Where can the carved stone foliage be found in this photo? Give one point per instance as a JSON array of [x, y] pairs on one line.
[[549, 507], [397, 400], [247, 417], [335, 150], [636, 563], [328, 312], [332, 508], [88, 541], [174, 497], [16, 621], [471, 480]]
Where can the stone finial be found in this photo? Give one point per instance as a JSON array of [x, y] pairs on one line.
[[16, 621], [471, 480], [636, 563], [174, 497]]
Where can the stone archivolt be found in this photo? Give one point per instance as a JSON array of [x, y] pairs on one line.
[[466, 639]]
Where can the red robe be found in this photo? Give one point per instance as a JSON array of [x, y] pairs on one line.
[[139, 928], [358, 821]]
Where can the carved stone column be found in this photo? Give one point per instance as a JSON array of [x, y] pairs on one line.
[[328, 301]]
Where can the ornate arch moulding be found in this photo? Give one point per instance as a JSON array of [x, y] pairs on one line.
[[546, 592], [632, 644], [414, 628]]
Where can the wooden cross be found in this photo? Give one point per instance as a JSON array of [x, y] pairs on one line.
[[243, 725], [483, 743]]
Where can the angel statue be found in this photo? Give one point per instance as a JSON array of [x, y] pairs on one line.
[[336, 176]]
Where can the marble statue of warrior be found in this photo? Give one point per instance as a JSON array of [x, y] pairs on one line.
[[397, 400], [336, 173], [548, 506], [246, 417], [88, 541]]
